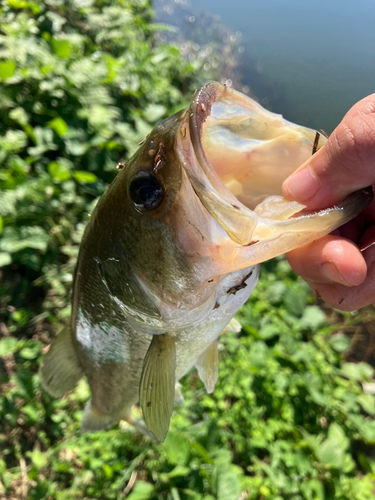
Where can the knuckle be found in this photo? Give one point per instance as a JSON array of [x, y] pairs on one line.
[[366, 105], [344, 146], [335, 296], [353, 145], [297, 262]]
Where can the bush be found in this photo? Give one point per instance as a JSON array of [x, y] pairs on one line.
[[82, 83]]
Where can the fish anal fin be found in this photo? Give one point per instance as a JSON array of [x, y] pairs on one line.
[[137, 423], [178, 396], [60, 370], [93, 420], [232, 326], [208, 366], [157, 385]]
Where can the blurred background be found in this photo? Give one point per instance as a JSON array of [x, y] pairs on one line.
[[310, 61], [81, 84]]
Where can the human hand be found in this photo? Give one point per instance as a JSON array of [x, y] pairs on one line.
[[334, 266]]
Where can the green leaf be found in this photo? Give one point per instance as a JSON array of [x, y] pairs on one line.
[[330, 454], [21, 316], [19, 115], [357, 371], [58, 171], [108, 471], [365, 427], [294, 301], [227, 484], [313, 490], [176, 448], [31, 412], [7, 69], [314, 387], [340, 342], [276, 291], [269, 331], [5, 259], [59, 126], [76, 148], [313, 317], [85, 177], [141, 491], [154, 112], [38, 459], [14, 240], [258, 355], [61, 48], [335, 431], [178, 471], [8, 345], [29, 353], [367, 401]]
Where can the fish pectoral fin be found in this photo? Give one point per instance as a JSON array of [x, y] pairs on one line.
[[157, 385], [93, 420], [60, 370], [208, 366]]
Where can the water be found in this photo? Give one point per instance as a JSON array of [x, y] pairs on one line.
[[317, 56]]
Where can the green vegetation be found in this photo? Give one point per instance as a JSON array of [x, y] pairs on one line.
[[81, 83]]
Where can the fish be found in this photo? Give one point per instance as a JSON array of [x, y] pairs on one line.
[[173, 250]]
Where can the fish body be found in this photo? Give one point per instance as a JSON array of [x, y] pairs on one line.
[[173, 249]]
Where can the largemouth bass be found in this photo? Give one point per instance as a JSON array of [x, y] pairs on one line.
[[173, 249]]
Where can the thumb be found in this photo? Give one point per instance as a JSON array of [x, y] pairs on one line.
[[346, 162]]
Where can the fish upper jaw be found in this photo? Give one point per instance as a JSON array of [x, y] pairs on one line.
[[236, 156]]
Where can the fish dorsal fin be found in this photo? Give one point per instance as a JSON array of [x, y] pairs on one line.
[[60, 370], [208, 366], [157, 385]]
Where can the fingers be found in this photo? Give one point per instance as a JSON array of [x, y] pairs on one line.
[[334, 266], [347, 283], [350, 298], [346, 163], [329, 260]]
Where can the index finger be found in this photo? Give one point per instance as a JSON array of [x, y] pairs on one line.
[[346, 163]]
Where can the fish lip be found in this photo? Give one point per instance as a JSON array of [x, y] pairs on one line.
[[200, 110]]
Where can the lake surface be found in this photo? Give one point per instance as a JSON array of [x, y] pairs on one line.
[[317, 56]]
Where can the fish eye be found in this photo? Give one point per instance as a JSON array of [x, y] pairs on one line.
[[145, 191]]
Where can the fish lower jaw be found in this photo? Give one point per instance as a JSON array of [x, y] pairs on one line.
[[236, 155]]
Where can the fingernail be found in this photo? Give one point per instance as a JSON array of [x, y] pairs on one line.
[[302, 185], [331, 273]]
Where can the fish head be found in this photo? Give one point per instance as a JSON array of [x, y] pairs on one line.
[[201, 198]]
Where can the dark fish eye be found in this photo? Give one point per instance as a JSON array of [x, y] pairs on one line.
[[145, 191]]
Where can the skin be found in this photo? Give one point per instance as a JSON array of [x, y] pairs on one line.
[[334, 266]]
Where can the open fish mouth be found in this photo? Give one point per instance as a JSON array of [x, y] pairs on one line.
[[243, 153]]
